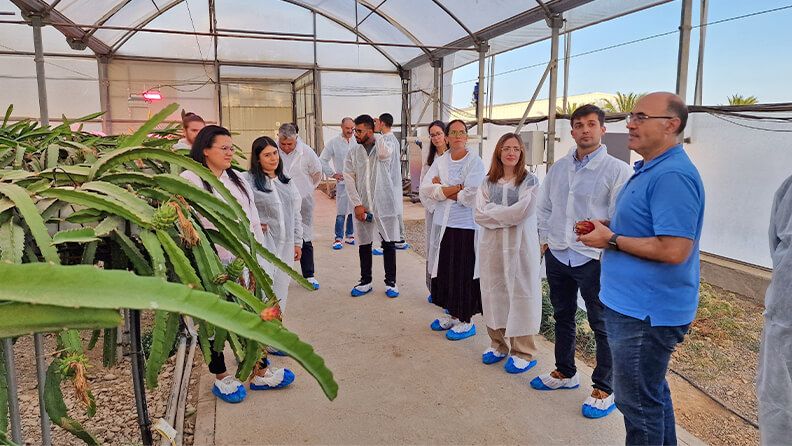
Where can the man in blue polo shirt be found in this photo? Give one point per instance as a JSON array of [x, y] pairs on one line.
[[650, 269]]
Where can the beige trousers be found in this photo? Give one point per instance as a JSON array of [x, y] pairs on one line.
[[521, 346]]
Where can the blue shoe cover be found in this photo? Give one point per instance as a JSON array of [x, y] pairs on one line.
[[435, 325], [538, 384], [491, 358], [454, 336], [337, 245], [288, 378], [429, 298], [593, 412], [233, 398], [402, 246], [376, 251], [391, 293], [511, 368], [357, 293]]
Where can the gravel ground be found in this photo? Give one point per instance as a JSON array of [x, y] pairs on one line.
[[115, 421]]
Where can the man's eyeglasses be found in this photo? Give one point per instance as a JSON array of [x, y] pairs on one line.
[[360, 131], [640, 118]]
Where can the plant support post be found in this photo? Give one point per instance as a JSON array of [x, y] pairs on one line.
[[13, 401], [137, 377], [41, 377]]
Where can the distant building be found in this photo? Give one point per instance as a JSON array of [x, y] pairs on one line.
[[515, 110]]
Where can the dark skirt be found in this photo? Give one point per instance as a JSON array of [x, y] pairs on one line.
[[454, 288]]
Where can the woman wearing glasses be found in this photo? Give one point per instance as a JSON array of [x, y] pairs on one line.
[[450, 186], [437, 147], [214, 149], [509, 264]]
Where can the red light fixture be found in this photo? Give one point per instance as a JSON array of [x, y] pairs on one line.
[[152, 95]]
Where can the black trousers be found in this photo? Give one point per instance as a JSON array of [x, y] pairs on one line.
[[307, 259], [564, 282], [217, 360], [366, 260]]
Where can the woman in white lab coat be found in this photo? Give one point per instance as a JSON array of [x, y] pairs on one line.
[[438, 143], [509, 258], [450, 185], [278, 203]]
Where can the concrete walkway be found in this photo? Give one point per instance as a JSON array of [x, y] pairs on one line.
[[400, 383]]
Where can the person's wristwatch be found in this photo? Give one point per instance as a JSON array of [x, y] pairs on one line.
[[612, 242]]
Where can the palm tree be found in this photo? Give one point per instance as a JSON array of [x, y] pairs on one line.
[[738, 99], [570, 107], [622, 103]]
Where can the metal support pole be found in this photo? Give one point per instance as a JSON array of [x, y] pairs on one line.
[[218, 86], [555, 22], [317, 87], [104, 95], [533, 98], [41, 79], [483, 48], [491, 87], [41, 377], [13, 399], [567, 52], [405, 109], [683, 55], [698, 94], [437, 76]]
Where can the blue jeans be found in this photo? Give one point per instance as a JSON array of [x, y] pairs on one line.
[[339, 226], [640, 360]]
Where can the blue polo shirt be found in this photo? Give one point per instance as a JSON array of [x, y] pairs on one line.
[[663, 197]]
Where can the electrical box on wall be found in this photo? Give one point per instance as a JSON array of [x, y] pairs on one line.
[[534, 141]]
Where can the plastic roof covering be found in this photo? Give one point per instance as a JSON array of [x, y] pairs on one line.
[[425, 25]]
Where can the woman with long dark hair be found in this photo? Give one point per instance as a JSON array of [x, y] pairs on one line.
[[438, 143], [451, 184], [214, 149], [509, 259], [278, 203]]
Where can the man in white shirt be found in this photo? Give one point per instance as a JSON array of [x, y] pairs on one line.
[[335, 151], [581, 186], [384, 125], [302, 165]]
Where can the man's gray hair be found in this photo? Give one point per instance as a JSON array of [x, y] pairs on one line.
[[287, 131], [347, 119]]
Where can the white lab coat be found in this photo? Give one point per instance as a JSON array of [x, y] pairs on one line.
[[472, 175], [368, 184], [774, 383], [336, 151], [248, 206], [182, 144], [567, 196], [395, 171], [302, 165], [428, 205], [280, 211], [511, 290]]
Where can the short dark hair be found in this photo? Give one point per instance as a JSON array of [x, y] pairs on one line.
[[387, 119], [585, 110], [677, 107], [188, 117], [366, 120], [448, 126]]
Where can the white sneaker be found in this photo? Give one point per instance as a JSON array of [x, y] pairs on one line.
[[548, 382], [276, 379], [444, 323], [227, 385]]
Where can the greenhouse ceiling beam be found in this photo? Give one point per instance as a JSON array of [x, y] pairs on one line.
[[125, 38], [72, 32], [346, 26], [518, 21], [394, 23], [109, 15], [448, 12]]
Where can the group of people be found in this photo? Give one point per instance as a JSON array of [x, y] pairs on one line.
[[636, 266]]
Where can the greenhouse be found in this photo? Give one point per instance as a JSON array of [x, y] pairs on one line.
[[96, 94]]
